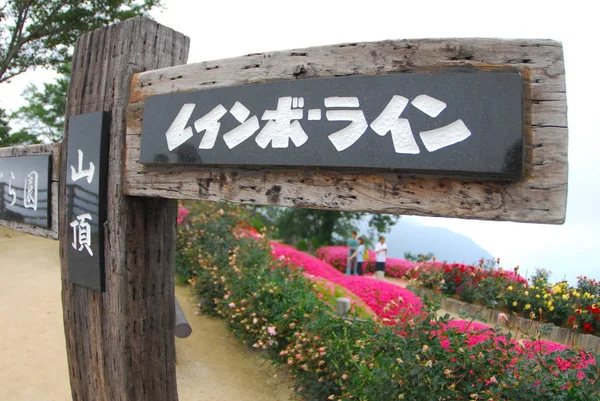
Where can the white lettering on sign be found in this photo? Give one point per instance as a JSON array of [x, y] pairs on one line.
[[30, 190], [82, 235], [11, 191], [283, 124], [80, 172], [346, 137], [389, 121], [210, 123], [445, 136], [177, 133], [30, 193], [244, 131], [429, 105]]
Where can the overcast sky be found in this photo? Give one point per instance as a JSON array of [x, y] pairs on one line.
[[222, 29]]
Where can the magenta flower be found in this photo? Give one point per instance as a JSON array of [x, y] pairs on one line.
[[182, 213]]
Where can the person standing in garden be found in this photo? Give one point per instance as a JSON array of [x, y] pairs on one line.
[[353, 245], [380, 256], [360, 256]]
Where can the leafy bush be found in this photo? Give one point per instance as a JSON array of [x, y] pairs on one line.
[[421, 257], [302, 245]]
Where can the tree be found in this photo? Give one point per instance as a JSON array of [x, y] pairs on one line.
[[43, 115], [324, 227], [18, 138], [35, 33]]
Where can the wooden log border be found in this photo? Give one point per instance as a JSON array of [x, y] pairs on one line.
[[539, 198], [36, 150]]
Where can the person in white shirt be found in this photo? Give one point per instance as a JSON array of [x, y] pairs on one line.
[[380, 255]]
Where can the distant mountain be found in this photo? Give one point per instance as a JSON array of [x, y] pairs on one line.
[[410, 236]]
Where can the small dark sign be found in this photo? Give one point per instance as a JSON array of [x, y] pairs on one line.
[[461, 124], [87, 165], [25, 189]]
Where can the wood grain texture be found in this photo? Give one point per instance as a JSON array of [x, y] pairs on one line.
[[540, 197], [120, 343], [34, 150]]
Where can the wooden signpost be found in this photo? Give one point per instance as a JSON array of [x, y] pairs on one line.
[[469, 128]]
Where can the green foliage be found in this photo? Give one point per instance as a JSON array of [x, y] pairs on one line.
[[302, 245], [272, 306], [540, 277], [18, 138], [421, 257], [323, 227], [43, 115], [37, 33], [42, 34]]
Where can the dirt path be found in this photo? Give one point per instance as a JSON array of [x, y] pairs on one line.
[[33, 363], [211, 364]]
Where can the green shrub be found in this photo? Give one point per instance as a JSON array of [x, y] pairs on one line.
[[302, 245]]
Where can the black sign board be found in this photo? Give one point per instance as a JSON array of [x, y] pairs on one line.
[[25, 189], [460, 124], [87, 166]]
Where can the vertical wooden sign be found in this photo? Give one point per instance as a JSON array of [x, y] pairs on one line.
[[87, 164]]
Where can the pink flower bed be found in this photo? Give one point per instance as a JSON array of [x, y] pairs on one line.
[[337, 257], [481, 332], [387, 300], [392, 303], [395, 267], [477, 333]]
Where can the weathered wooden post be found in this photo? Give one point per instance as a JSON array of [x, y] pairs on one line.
[[120, 343]]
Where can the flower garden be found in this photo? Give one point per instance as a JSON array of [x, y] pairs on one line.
[[391, 346], [573, 307]]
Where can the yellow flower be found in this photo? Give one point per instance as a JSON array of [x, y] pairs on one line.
[[515, 303], [527, 306], [565, 296], [549, 303], [537, 295], [557, 289], [551, 308], [509, 288], [526, 292]]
